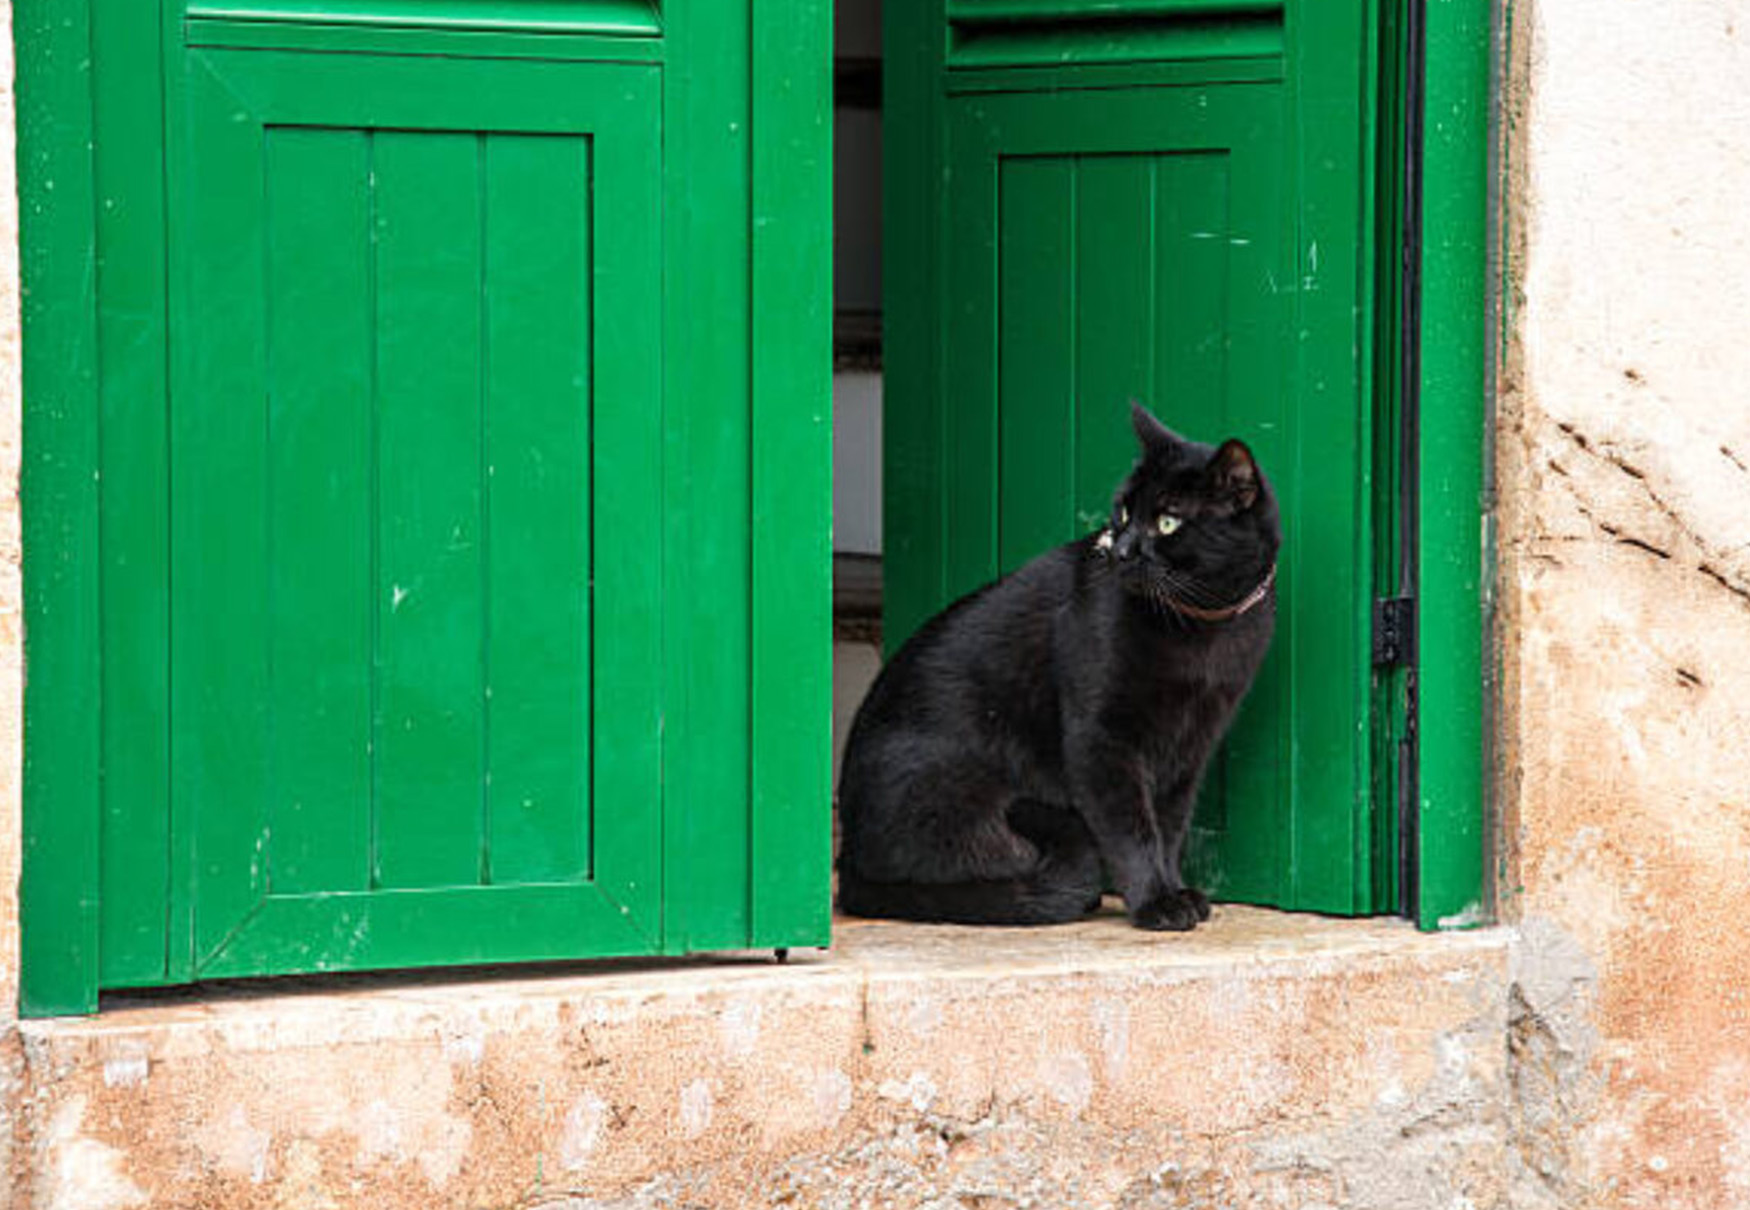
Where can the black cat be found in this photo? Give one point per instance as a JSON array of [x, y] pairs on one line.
[[1061, 717]]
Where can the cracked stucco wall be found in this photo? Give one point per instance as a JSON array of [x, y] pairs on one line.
[[1624, 489]]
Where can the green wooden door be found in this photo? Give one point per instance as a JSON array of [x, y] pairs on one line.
[[443, 524], [1169, 202], [417, 390]]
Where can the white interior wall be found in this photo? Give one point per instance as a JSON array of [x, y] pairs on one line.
[[857, 288], [856, 462]]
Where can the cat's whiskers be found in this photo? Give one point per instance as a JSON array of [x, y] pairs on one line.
[[1188, 589], [1160, 596]]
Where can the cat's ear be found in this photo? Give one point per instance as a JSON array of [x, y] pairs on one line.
[[1234, 473], [1150, 432]]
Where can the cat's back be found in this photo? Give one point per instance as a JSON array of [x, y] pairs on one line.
[[994, 644]]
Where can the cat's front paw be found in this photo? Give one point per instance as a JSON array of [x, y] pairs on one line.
[[1172, 911], [1198, 900]]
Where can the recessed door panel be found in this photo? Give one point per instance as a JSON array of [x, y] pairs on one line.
[[411, 666]]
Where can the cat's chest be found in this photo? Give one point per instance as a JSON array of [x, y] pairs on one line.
[[1173, 667], [1168, 690]]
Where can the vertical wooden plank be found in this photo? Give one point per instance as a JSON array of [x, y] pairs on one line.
[[129, 153], [218, 538], [1203, 318], [707, 457], [1230, 853], [1329, 540], [631, 600], [1036, 346], [318, 488], [630, 597], [59, 500], [913, 435], [179, 160], [792, 491], [1232, 353], [1115, 295], [538, 449], [1192, 292], [971, 348], [430, 774]]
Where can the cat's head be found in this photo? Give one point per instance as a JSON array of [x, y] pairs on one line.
[[1192, 524]]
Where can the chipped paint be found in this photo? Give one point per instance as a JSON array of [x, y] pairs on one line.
[[126, 1072], [1472, 915]]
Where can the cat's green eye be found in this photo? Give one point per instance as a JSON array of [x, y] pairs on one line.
[[1123, 516], [1167, 524]]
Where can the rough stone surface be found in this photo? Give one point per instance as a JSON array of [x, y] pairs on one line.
[[1624, 480], [1265, 1061]]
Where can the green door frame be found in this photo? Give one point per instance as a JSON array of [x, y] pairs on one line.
[[1455, 515], [58, 497]]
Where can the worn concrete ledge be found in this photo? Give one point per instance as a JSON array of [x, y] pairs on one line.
[[1266, 1059]]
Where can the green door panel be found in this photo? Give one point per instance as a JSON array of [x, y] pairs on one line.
[[1165, 204], [443, 575], [416, 425], [1113, 245]]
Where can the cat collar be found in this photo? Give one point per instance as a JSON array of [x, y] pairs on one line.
[[1229, 612]]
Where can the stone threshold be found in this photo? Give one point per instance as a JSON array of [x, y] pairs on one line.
[[927, 1051]]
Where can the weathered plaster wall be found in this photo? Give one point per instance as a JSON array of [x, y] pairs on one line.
[[1624, 480]]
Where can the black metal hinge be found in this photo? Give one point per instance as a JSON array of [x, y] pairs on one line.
[[1394, 632]]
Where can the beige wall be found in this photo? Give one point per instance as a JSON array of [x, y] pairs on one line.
[[1624, 443]]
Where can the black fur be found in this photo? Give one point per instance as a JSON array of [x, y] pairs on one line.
[[1059, 720]]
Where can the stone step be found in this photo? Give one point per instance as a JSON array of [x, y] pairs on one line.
[[1266, 1059]]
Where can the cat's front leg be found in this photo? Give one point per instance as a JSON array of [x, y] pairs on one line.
[[1116, 799], [1175, 799]]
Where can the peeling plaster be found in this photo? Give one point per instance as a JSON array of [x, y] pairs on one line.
[[1068, 1079], [76, 1171], [1112, 1024], [741, 1026], [695, 1109], [582, 1131], [832, 1093], [235, 1145]]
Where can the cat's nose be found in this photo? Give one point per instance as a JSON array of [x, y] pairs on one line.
[[1125, 546]]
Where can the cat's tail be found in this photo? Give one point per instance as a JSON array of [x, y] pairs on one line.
[[1016, 901]]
